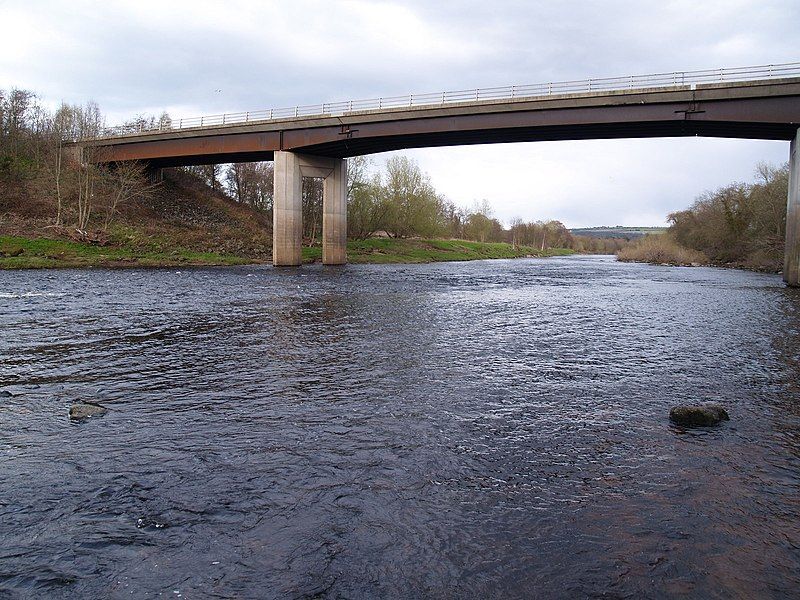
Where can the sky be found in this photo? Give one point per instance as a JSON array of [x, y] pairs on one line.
[[202, 57]]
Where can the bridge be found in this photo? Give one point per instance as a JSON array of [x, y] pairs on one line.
[[314, 141]]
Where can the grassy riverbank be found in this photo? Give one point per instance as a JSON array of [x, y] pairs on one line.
[[387, 250], [25, 253]]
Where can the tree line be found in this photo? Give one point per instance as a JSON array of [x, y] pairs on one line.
[[32, 164], [397, 200], [741, 224], [738, 223]]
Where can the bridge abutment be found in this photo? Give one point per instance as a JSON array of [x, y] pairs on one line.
[[287, 230], [791, 266]]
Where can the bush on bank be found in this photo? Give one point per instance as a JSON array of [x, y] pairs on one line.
[[660, 249], [741, 225]]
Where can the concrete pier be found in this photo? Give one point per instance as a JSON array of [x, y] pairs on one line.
[[72, 155], [287, 230], [334, 216], [791, 266], [287, 213]]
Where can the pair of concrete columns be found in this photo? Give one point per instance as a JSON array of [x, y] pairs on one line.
[[287, 231], [791, 265]]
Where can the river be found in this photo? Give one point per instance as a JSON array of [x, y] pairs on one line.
[[460, 430]]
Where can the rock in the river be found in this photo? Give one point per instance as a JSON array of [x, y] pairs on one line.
[[5, 394], [147, 523], [698, 416], [84, 410]]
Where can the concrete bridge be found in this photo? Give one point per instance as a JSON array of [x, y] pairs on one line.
[[314, 141]]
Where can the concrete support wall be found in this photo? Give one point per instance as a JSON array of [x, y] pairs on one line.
[[791, 266], [334, 216], [287, 231], [154, 174], [72, 155], [287, 214]]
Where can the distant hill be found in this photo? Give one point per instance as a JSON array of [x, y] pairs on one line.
[[617, 232]]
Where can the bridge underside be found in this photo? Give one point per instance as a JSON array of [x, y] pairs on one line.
[[361, 146], [203, 151]]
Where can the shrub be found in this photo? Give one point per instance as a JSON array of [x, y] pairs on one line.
[[660, 249]]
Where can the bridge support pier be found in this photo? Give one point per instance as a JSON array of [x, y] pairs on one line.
[[72, 155], [287, 212], [287, 220], [334, 215], [791, 265]]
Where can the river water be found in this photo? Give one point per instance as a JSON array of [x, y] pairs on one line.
[[464, 430]]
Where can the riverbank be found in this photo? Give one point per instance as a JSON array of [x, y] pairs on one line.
[[26, 253], [663, 249], [389, 250]]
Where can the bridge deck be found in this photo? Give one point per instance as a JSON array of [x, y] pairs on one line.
[[759, 109]]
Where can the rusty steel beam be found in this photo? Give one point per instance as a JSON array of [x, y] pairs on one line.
[[209, 145]]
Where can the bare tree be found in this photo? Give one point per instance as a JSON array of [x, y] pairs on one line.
[[62, 129], [89, 123], [265, 186], [251, 183], [241, 180], [367, 208], [312, 208], [358, 168], [123, 183], [516, 226]]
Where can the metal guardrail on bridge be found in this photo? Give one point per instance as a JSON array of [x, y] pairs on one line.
[[512, 92]]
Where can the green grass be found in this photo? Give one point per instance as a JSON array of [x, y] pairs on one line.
[[46, 253], [386, 250], [40, 253]]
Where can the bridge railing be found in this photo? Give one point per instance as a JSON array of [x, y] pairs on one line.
[[510, 92]]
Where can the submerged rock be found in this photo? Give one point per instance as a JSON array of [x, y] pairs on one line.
[[5, 394], [698, 416], [83, 410]]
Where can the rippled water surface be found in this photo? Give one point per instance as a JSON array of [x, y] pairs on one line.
[[473, 430]]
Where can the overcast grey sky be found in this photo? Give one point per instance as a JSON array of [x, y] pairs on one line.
[[200, 57]]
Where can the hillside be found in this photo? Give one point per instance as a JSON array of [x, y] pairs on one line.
[[183, 222], [617, 232]]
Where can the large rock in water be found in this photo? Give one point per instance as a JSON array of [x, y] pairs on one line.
[[83, 410], [698, 416]]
